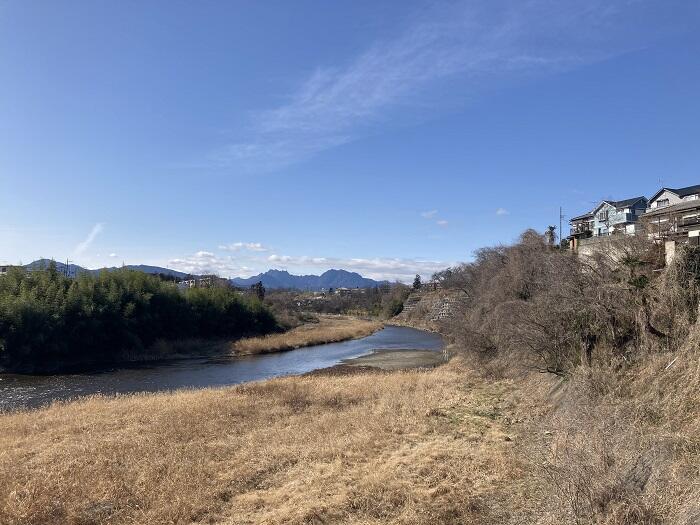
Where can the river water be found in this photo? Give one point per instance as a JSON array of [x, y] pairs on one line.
[[24, 391]]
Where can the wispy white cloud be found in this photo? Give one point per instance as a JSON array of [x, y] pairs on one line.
[[94, 232], [204, 262], [432, 216], [468, 41], [502, 211], [392, 269], [113, 255], [250, 246]]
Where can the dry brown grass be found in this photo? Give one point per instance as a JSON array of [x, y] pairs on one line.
[[625, 447], [402, 447], [329, 329]]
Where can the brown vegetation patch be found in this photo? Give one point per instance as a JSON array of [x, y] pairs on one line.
[[328, 329], [403, 447], [612, 433]]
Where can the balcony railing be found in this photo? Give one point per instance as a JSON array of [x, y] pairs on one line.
[[690, 221], [582, 230]]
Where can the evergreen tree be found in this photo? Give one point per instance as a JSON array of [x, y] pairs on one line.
[[49, 322], [417, 284], [259, 290]]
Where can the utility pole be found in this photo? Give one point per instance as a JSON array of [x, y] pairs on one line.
[[561, 217]]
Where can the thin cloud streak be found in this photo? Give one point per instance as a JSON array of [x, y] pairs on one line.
[[96, 230], [250, 246], [432, 216], [340, 104]]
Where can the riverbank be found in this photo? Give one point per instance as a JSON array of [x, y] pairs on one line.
[[398, 359], [325, 329], [384, 361], [328, 329], [414, 446]]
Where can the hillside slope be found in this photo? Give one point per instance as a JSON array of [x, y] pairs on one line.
[[607, 351]]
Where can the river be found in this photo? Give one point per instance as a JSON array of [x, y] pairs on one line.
[[25, 391]]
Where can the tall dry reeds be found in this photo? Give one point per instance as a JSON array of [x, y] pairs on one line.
[[328, 329]]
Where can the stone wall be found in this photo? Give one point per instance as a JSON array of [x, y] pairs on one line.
[[427, 310]]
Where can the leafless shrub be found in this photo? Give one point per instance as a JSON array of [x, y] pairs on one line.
[[622, 334], [545, 307]]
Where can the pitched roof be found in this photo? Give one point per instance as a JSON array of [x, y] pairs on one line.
[[627, 202], [584, 216], [617, 204], [681, 192]]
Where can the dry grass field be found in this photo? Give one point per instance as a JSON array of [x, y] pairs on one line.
[[329, 329], [404, 447]]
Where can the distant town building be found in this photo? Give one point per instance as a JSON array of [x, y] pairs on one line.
[[203, 281], [344, 292], [430, 286]]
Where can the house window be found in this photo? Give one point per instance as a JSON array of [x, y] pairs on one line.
[[661, 202]]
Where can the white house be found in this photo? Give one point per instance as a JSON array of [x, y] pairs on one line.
[[670, 196]]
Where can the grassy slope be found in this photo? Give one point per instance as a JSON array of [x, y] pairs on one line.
[[329, 329], [403, 447]]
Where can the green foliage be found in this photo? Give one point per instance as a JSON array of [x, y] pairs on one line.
[[290, 307], [417, 283], [392, 308], [48, 321]]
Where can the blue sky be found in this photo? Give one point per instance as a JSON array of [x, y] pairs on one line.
[[388, 138]]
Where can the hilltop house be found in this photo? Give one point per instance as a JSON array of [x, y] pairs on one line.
[[608, 218], [670, 196], [673, 217]]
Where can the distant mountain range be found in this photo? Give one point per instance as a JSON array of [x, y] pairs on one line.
[[272, 279], [330, 279], [73, 269]]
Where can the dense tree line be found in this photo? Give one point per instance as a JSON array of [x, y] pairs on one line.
[[49, 321], [293, 307]]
